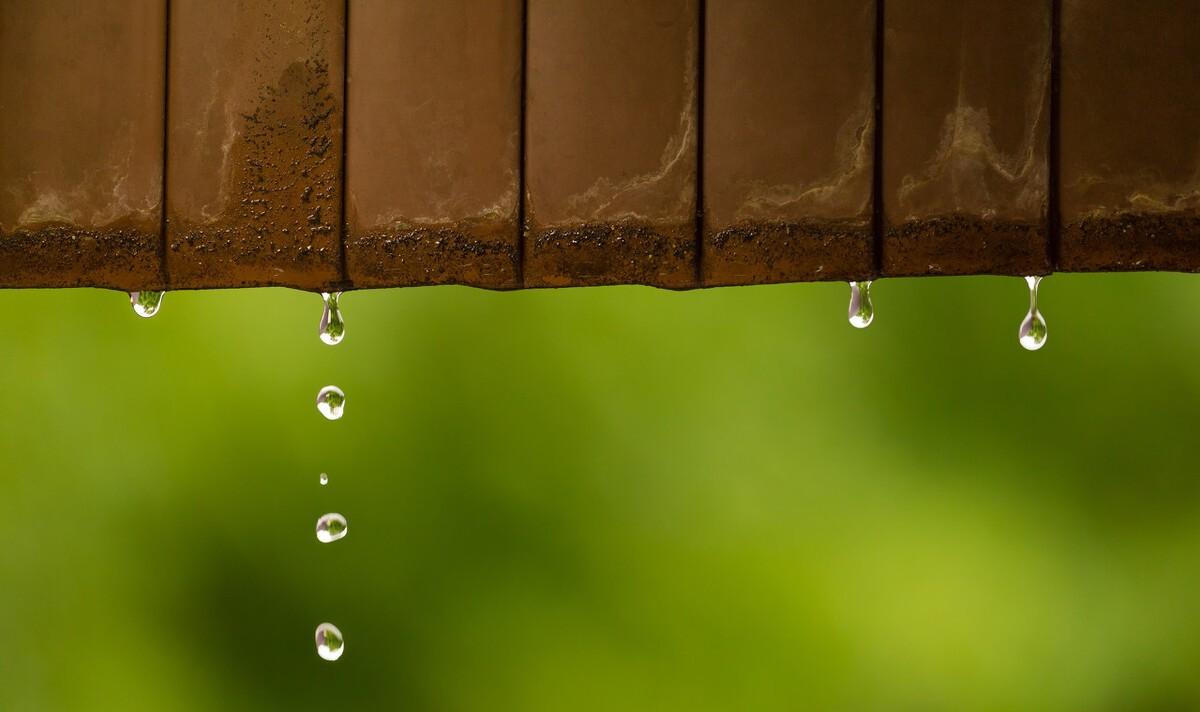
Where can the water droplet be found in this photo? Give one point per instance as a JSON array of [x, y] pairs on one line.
[[331, 402], [1033, 329], [324, 479], [332, 328], [330, 644], [146, 304], [331, 527], [862, 311]]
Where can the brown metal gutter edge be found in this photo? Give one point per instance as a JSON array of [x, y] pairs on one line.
[[1132, 242], [126, 256], [122, 256]]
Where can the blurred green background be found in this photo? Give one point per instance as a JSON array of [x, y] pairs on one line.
[[605, 499]]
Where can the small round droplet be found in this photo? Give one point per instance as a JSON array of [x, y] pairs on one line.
[[332, 328], [1033, 332], [862, 311], [331, 527], [146, 304], [324, 479], [330, 644], [331, 402]]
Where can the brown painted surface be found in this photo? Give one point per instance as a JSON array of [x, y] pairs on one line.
[[611, 122], [81, 121], [1130, 180], [789, 100], [255, 143], [966, 127], [433, 142]]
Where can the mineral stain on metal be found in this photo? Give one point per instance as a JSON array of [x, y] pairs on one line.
[[264, 207], [623, 253]]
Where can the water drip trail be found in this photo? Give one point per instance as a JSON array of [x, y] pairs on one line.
[[331, 403]]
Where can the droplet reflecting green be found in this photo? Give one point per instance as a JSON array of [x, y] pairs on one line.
[[1033, 333], [331, 527], [862, 311], [333, 327], [330, 643], [146, 304], [331, 402]]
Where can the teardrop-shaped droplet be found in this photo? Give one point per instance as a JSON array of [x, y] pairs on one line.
[[330, 644], [146, 304], [324, 479], [331, 402], [332, 327], [331, 527], [1032, 333], [862, 311]]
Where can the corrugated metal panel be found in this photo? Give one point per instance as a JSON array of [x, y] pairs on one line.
[[789, 140], [254, 164], [433, 142], [611, 148], [81, 143]]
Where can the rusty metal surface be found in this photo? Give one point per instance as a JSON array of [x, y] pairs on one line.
[[966, 129], [1130, 180], [254, 159], [433, 143], [81, 143], [611, 142], [789, 139]]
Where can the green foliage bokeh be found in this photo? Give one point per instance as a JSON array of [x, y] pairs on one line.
[[605, 499]]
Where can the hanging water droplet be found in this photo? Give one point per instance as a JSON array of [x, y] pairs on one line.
[[1032, 333], [146, 304], [324, 479], [331, 402], [330, 644], [332, 328], [862, 311], [331, 527]]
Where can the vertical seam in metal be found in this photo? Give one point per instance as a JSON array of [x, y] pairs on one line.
[[1053, 195], [522, 164], [343, 219], [701, 52], [877, 227], [164, 272]]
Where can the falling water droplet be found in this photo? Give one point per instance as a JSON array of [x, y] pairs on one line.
[[146, 304], [1033, 329], [331, 402], [330, 644], [331, 527], [324, 479], [332, 328], [862, 311]]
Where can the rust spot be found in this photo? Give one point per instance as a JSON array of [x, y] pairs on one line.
[[963, 244], [622, 253], [280, 228], [1132, 242], [771, 252], [477, 255], [125, 258]]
